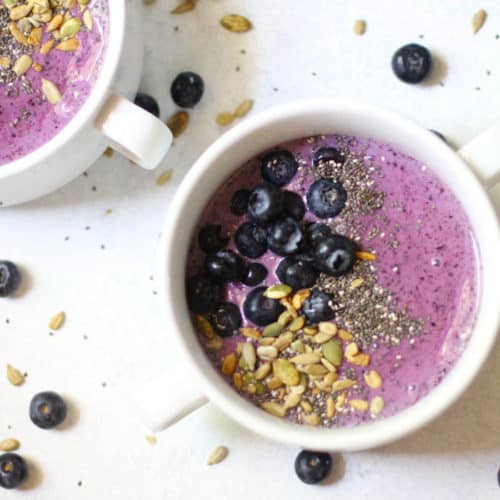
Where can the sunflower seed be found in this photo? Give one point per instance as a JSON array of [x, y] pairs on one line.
[[22, 65], [178, 123], [14, 376], [9, 444], [376, 405], [236, 23], [373, 379], [68, 45], [224, 119], [163, 178], [229, 364], [262, 371], [330, 407], [47, 46], [57, 321], [243, 108], [274, 408], [315, 370], [283, 341], [248, 353], [340, 385], [88, 21], [214, 344], [20, 11], [250, 333], [183, 7], [359, 404], [151, 440], [478, 20], [359, 27], [311, 419], [292, 400], [267, 352], [204, 326], [218, 455], [306, 358], [55, 22]]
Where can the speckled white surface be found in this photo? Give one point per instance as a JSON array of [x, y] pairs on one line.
[[113, 333]]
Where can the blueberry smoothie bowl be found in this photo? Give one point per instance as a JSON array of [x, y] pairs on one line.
[[333, 280]]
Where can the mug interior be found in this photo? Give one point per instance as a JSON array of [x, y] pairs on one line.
[[301, 120], [93, 103]]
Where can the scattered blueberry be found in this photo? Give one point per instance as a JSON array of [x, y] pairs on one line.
[[47, 409], [251, 240], [147, 103], [261, 310], [266, 203], [13, 470], [439, 134], [226, 319], [10, 278], [187, 89], [328, 154], [412, 63], [326, 198], [255, 273], [203, 294], [335, 255], [317, 307], [225, 265], [312, 467], [239, 202], [278, 167], [294, 205], [284, 237], [210, 238], [296, 272], [316, 232]]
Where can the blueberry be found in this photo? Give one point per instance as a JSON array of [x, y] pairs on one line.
[[317, 307], [239, 202], [326, 198], [316, 232], [266, 203], [335, 255], [251, 240], [13, 470], [187, 89], [47, 409], [412, 63], [147, 103], [226, 319], [278, 167], [225, 265], [203, 294], [261, 310], [10, 278], [323, 155], [312, 467], [294, 205], [255, 273], [296, 272], [210, 238], [284, 237]]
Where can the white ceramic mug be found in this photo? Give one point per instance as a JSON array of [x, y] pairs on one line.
[[107, 118], [163, 405]]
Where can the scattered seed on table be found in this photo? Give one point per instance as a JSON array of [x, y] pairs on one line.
[[478, 20], [217, 455], [14, 376], [183, 7]]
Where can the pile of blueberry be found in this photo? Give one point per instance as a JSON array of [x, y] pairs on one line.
[[274, 222]]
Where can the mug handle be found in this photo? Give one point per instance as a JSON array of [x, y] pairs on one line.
[[133, 132], [481, 153]]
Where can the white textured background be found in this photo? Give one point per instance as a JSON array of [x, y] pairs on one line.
[[113, 334]]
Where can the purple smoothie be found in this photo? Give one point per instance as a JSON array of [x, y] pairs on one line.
[[27, 119], [426, 263]]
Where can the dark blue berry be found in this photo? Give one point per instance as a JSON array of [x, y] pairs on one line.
[[255, 273], [203, 294], [294, 205], [316, 232], [226, 319], [251, 240], [284, 237], [318, 307], [239, 202], [210, 238], [225, 265], [312, 467], [266, 203], [335, 255], [440, 135], [187, 89], [296, 272], [278, 167], [326, 198], [147, 103], [261, 310], [412, 63], [13, 470], [47, 410], [323, 155], [10, 278]]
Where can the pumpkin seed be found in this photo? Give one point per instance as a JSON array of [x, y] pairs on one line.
[[178, 123], [340, 385], [296, 324], [286, 372], [248, 353], [332, 351], [9, 444], [70, 27], [359, 27], [267, 352], [307, 358], [224, 119], [14, 376], [183, 7], [236, 23], [277, 291], [373, 379], [57, 321], [376, 405], [229, 364], [163, 178], [359, 404], [262, 371], [478, 20], [272, 330], [218, 455], [274, 408], [204, 326], [243, 108], [22, 65]]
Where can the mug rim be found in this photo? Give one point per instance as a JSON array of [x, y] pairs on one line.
[[93, 103], [367, 435]]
